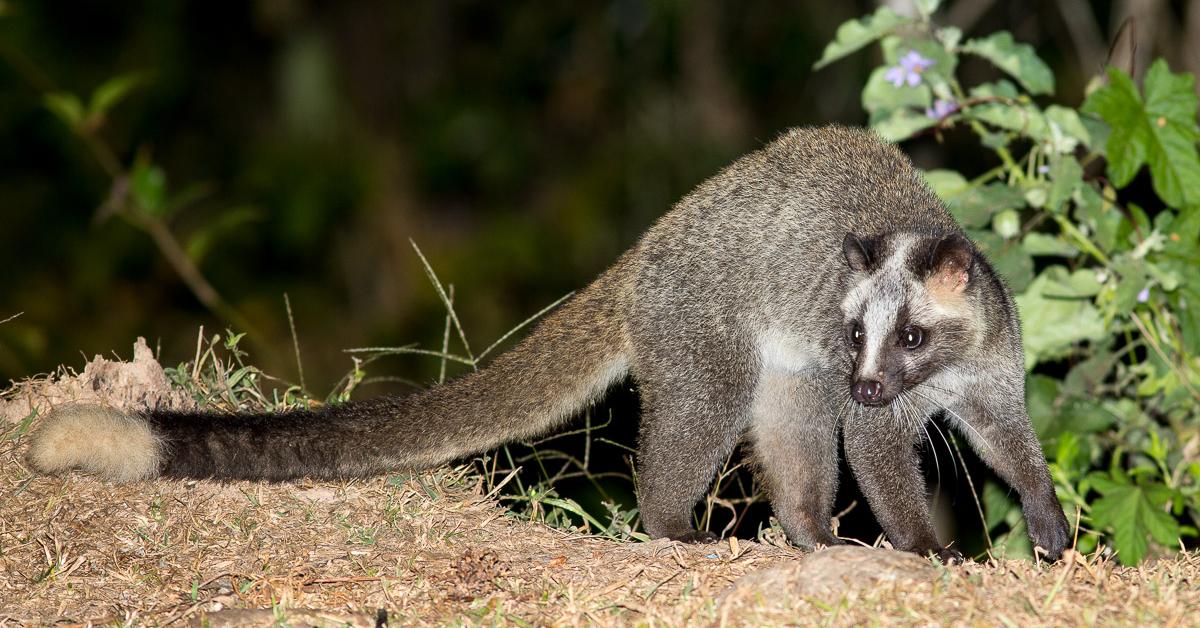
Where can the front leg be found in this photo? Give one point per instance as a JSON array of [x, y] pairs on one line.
[[794, 433], [998, 428], [882, 454]]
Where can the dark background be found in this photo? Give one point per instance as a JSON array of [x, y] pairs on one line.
[[522, 145]]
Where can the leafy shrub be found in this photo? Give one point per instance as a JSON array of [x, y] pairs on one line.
[[1107, 288]]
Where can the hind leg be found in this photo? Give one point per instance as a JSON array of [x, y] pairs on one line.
[[691, 421], [795, 433]]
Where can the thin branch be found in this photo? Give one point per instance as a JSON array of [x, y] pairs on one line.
[[295, 340]]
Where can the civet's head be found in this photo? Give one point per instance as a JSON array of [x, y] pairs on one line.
[[909, 310]]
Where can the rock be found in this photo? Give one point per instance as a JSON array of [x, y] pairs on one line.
[[139, 383], [830, 574], [285, 617]]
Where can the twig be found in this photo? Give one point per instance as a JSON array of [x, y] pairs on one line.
[[121, 203], [974, 494], [1183, 378], [523, 323], [446, 340], [295, 340], [437, 285]]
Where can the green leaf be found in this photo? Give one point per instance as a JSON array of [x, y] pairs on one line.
[[996, 504], [1020, 118], [1086, 376], [1081, 284], [1166, 278], [1171, 114], [201, 241], [945, 183], [1100, 216], [1007, 257], [148, 184], [1120, 105], [1041, 396], [880, 94], [1187, 308], [1160, 132], [110, 92], [1133, 278], [974, 206], [1071, 454], [1044, 244], [1002, 88], [926, 7], [1067, 177], [1132, 513], [1055, 412], [1067, 121], [1007, 223], [1085, 416], [944, 61], [1018, 60], [1052, 326], [66, 106], [1183, 233], [900, 124], [855, 34], [949, 36]]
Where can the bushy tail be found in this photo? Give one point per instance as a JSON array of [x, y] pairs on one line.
[[568, 361]]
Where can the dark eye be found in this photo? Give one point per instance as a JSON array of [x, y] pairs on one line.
[[911, 337], [857, 335]]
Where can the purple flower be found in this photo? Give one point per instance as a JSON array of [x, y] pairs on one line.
[[1144, 295], [1043, 169], [912, 64], [941, 109]]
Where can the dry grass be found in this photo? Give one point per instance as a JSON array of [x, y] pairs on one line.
[[430, 549]]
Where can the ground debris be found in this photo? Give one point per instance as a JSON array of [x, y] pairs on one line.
[[74, 550], [831, 573], [138, 383]]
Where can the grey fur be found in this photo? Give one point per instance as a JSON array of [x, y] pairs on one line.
[[732, 315]]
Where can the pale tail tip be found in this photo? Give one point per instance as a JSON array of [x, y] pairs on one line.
[[113, 445]]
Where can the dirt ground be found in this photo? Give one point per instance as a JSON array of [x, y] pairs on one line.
[[431, 548]]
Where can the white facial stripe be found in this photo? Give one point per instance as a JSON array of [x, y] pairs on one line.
[[898, 260], [879, 299], [892, 271], [879, 323]]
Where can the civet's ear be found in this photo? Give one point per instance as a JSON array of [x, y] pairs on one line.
[[860, 254], [950, 262]]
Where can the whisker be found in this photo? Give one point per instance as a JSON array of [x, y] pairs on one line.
[[960, 420], [947, 443], [936, 465], [952, 393], [837, 424], [916, 419]]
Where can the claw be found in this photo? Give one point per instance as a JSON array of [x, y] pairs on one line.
[[696, 537], [948, 556]]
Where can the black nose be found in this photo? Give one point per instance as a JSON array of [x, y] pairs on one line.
[[867, 391]]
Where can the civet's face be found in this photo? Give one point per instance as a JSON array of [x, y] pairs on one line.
[[906, 314]]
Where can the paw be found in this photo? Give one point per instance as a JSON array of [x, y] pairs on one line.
[[695, 537], [1049, 531], [814, 542], [948, 556]]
